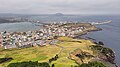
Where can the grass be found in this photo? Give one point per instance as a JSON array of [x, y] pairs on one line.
[[70, 45], [43, 54], [64, 62]]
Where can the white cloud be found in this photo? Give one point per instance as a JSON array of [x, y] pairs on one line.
[[64, 6]]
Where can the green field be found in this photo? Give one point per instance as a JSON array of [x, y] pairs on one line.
[[43, 54]]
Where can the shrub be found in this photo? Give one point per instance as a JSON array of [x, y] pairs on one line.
[[2, 60], [93, 64], [29, 64]]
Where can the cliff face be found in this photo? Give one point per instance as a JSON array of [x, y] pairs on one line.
[[100, 53], [81, 56], [104, 53]]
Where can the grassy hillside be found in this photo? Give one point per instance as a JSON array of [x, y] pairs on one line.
[[43, 54]]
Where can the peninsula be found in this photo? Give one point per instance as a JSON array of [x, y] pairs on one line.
[[54, 46]]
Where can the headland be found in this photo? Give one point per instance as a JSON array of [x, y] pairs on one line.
[[55, 44]]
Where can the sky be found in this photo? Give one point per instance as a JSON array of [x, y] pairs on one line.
[[60, 6]]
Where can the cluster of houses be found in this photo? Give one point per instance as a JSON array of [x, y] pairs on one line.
[[19, 39], [63, 29], [38, 38]]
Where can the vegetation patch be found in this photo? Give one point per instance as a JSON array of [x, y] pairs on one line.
[[41, 54], [104, 53], [2, 60], [93, 64], [29, 64], [53, 59], [40, 58]]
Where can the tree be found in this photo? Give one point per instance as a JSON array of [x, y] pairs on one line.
[[53, 65]]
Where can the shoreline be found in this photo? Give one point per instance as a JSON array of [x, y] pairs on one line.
[[88, 28], [94, 40]]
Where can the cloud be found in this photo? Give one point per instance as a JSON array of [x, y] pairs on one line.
[[64, 6]]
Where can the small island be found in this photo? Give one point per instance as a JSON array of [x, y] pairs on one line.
[[55, 45], [58, 14]]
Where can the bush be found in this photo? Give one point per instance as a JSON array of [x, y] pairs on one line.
[[2, 60], [29, 64], [53, 59], [93, 64]]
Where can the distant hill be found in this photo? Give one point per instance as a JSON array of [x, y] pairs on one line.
[[58, 14]]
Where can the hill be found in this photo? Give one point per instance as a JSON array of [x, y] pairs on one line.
[[64, 49]]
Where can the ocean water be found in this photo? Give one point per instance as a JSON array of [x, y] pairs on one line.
[[18, 27], [110, 34]]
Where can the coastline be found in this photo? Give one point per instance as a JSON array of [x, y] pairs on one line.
[[87, 30], [94, 41]]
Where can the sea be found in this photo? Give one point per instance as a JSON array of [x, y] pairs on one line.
[[110, 33], [19, 27]]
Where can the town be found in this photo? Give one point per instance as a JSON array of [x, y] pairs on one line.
[[43, 36]]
